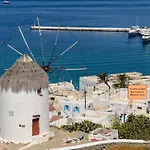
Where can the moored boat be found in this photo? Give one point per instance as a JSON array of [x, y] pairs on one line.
[[134, 31], [6, 2], [146, 37], [144, 30]]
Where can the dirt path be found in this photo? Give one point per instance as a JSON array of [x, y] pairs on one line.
[[55, 142]]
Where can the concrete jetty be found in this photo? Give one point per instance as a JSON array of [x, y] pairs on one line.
[[81, 29]]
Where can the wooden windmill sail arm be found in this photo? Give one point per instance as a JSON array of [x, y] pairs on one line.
[[69, 48], [55, 76], [26, 43], [40, 34], [56, 40], [75, 69], [65, 51], [14, 49]]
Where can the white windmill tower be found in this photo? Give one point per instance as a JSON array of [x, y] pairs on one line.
[[24, 105]]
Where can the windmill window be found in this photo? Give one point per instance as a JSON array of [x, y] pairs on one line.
[[39, 92], [11, 113], [53, 98], [139, 108]]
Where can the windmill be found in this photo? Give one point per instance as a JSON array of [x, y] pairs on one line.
[[47, 67]]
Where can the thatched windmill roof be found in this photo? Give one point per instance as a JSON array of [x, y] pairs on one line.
[[25, 75]]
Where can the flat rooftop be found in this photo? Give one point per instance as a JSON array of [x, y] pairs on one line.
[[65, 89], [90, 78], [132, 75], [116, 98]]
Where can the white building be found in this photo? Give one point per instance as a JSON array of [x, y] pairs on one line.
[[91, 84], [88, 83], [102, 105], [117, 99], [75, 112], [24, 105], [71, 107]]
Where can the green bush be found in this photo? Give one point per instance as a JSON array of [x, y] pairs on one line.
[[135, 127], [85, 126]]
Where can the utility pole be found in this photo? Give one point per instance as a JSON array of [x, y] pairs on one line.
[[85, 98]]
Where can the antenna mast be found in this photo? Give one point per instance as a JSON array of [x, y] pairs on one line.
[[137, 21], [85, 99]]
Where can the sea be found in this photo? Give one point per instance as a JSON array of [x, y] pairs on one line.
[[99, 52]]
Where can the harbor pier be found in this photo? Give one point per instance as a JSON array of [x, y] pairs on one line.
[[97, 29]]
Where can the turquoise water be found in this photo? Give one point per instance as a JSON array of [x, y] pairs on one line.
[[98, 51]]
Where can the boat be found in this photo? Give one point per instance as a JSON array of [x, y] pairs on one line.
[[146, 37], [6, 2], [144, 30], [134, 31]]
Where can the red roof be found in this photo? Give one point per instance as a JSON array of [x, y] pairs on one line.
[[51, 107], [54, 118]]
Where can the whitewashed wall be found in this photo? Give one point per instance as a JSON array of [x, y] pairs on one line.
[[121, 106], [52, 113], [104, 120], [18, 109], [58, 123], [71, 113], [148, 94], [85, 84]]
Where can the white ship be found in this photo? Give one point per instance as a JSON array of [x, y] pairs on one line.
[[134, 31], [6, 2]]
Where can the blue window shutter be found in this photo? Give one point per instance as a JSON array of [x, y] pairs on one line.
[[74, 109], [78, 110], [65, 107], [68, 108]]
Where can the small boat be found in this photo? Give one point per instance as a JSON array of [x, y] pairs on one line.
[[146, 37], [6, 2], [134, 31], [144, 30]]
